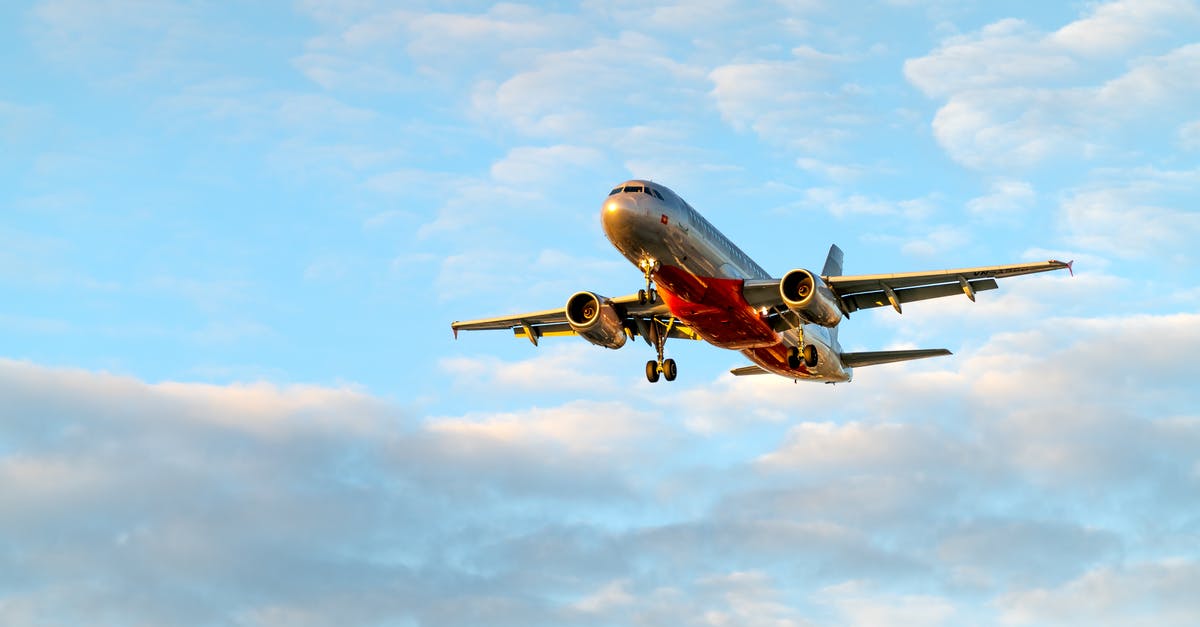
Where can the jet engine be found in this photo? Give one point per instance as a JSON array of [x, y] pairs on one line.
[[807, 295], [594, 317]]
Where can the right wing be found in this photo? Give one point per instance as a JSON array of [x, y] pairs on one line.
[[553, 322], [865, 291]]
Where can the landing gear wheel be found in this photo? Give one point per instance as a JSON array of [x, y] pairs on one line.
[[652, 295], [669, 370], [810, 356], [793, 359], [652, 371], [641, 297]]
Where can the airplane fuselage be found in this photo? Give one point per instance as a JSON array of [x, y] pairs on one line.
[[699, 274]]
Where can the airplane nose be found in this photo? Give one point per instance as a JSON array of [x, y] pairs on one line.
[[618, 216]]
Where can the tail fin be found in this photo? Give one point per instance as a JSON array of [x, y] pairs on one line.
[[833, 262], [833, 267]]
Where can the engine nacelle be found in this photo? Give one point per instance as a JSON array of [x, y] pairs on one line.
[[807, 295], [594, 317]]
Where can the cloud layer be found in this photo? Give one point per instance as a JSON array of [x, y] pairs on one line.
[[1036, 469]]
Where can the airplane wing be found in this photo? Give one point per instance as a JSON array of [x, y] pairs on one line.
[[865, 291], [553, 322]]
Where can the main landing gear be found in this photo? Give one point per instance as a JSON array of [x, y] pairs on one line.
[[809, 356], [666, 367]]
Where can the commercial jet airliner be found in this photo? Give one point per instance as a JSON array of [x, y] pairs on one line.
[[699, 286]]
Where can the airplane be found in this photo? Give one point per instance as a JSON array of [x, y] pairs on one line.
[[700, 286]]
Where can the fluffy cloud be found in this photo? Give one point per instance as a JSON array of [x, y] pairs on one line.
[[796, 101], [884, 499], [1135, 213], [1016, 96]]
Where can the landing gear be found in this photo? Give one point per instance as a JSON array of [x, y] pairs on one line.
[[652, 371], [666, 367], [809, 355], [648, 295]]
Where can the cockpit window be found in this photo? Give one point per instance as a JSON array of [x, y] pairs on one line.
[[637, 189]]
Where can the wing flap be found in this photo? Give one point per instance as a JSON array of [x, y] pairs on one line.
[[867, 300], [872, 358]]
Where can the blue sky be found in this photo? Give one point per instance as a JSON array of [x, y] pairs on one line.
[[232, 239]]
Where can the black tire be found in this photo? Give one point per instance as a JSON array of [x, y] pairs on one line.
[[641, 297], [652, 296], [810, 356], [670, 370], [652, 371]]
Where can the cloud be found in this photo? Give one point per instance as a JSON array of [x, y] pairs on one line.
[[1015, 96], [312, 503], [1134, 213], [1141, 592], [559, 95], [1009, 198], [859, 604], [529, 164], [795, 102]]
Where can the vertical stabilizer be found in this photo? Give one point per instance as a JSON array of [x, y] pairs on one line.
[[833, 267], [833, 262]]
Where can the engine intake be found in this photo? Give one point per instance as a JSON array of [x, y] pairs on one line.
[[806, 294], [593, 317]]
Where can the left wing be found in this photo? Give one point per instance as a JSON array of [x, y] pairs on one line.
[[865, 291], [637, 318]]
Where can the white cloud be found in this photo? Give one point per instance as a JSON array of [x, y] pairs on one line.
[[1143, 212], [561, 94], [879, 487], [1009, 198], [1016, 97], [796, 102], [1117, 27], [581, 427], [530, 164], [859, 604], [1160, 592], [1189, 135]]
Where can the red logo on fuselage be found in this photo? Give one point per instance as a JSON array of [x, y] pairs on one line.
[[664, 219]]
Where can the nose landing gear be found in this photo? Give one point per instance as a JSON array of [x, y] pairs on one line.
[[648, 295]]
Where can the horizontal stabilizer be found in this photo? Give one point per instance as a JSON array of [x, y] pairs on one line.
[[748, 370], [856, 360]]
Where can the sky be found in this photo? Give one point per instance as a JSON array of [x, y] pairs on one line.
[[233, 237]]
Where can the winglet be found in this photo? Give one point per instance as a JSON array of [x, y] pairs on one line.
[[454, 327], [1065, 264]]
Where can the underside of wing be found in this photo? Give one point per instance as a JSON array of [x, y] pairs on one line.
[[872, 358], [636, 318]]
